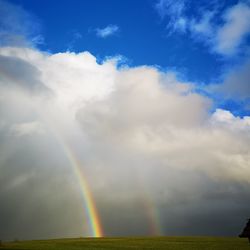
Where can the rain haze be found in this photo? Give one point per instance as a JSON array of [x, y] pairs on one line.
[[124, 118]]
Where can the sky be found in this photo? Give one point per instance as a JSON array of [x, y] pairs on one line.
[[131, 117]]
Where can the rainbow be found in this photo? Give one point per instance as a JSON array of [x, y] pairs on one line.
[[149, 208], [88, 201], [152, 214], [89, 204]]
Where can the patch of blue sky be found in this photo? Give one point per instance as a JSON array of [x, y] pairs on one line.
[[143, 38]]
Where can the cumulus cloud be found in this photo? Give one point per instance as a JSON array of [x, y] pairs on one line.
[[109, 30], [144, 139]]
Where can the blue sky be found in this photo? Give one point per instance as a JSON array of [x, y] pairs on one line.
[[143, 37], [177, 35]]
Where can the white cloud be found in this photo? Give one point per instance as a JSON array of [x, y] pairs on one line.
[[227, 119], [138, 108], [132, 129], [236, 27], [109, 30], [225, 38]]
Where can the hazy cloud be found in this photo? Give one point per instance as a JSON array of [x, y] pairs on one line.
[[75, 36], [169, 7], [203, 26], [175, 10], [17, 26], [224, 38]]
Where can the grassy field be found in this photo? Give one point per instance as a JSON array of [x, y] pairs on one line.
[[171, 243]]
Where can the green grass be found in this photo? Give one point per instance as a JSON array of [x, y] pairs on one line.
[[166, 243]]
